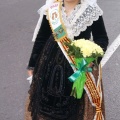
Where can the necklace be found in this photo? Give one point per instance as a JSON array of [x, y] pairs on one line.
[[68, 12]]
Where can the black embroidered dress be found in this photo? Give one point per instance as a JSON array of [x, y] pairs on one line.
[[50, 89]]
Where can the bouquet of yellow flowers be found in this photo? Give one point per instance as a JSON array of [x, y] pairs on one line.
[[84, 52]]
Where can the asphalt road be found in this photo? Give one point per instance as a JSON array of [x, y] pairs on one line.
[[17, 22]]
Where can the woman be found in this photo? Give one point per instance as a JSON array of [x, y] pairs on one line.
[[50, 89]]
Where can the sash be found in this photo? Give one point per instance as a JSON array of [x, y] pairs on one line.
[[92, 89]]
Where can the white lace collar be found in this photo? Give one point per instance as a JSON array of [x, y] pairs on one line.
[[89, 12], [80, 18]]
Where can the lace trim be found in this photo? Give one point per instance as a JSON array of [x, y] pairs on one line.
[[80, 18], [76, 23], [86, 19]]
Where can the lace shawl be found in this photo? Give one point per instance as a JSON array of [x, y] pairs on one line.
[[81, 17]]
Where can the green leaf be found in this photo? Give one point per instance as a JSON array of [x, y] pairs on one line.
[[73, 50]]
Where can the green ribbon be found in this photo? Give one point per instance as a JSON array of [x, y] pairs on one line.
[[79, 77], [80, 69]]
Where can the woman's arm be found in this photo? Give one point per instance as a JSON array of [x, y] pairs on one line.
[[100, 35], [43, 34]]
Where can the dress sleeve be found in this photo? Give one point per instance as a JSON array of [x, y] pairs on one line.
[[43, 34], [100, 35]]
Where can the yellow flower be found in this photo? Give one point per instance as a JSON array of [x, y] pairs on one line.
[[87, 47]]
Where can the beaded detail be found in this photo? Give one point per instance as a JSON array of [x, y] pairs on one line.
[[50, 89]]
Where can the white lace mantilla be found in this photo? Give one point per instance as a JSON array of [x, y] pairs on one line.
[[80, 18]]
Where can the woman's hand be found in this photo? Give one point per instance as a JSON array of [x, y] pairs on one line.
[[91, 65], [30, 72]]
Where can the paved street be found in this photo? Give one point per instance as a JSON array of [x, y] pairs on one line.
[[17, 22]]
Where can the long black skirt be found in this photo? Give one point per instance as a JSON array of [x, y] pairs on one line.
[[49, 94]]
